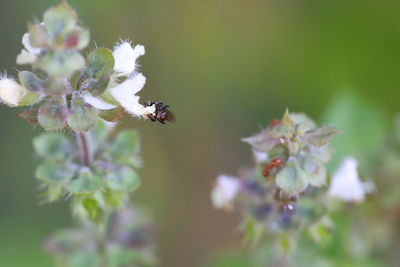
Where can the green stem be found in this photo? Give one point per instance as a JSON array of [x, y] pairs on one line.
[[84, 147]]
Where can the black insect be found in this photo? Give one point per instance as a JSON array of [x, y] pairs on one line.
[[162, 112]]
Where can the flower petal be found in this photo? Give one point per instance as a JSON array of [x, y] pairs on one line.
[[225, 191], [97, 102], [11, 92], [28, 46], [346, 184], [125, 58], [125, 92], [25, 58]]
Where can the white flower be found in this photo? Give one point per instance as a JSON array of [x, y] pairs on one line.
[[345, 184], [11, 92], [25, 58], [259, 156], [125, 58], [125, 94], [97, 102], [225, 191], [29, 54], [28, 46]]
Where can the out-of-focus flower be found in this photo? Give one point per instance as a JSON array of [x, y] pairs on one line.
[[29, 54], [259, 156], [125, 57], [345, 184], [11, 92], [225, 191]]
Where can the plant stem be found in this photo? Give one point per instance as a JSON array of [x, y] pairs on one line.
[[84, 147]]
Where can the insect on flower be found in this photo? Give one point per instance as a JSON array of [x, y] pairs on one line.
[[270, 166], [162, 112]]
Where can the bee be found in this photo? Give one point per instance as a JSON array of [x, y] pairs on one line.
[[162, 112]]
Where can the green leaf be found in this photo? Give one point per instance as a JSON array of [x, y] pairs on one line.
[[292, 179], [61, 63], [316, 172], [82, 116], [98, 86], [123, 179], [253, 231], [286, 243], [113, 115], [29, 99], [60, 19], [125, 143], [85, 183], [100, 62], [50, 145], [321, 231], [54, 172], [93, 211], [31, 82], [52, 116], [320, 136], [113, 199]]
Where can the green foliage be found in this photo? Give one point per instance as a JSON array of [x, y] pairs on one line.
[[50, 145], [363, 124], [82, 117], [100, 62]]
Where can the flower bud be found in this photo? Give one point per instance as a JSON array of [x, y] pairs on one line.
[[82, 116], [52, 115]]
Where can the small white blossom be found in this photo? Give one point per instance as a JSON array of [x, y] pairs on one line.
[[345, 184], [125, 58], [11, 92], [25, 58], [259, 156], [125, 94], [225, 191], [29, 48]]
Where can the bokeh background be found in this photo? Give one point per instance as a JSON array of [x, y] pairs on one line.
[[226, 67]]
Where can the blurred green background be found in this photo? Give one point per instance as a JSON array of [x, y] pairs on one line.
[[226, 67]]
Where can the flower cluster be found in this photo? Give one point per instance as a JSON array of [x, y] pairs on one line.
[[128, 241], [276, 196], [68, 91]]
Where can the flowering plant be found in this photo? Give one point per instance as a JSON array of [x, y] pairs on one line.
[[283, 195], [87, 96]]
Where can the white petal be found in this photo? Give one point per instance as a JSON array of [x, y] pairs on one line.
[[125, 92], [259, 156], [97, 102], [345, 183], [125, 58], [28, 46], [225, 191], [25, 58], [11, 92]]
